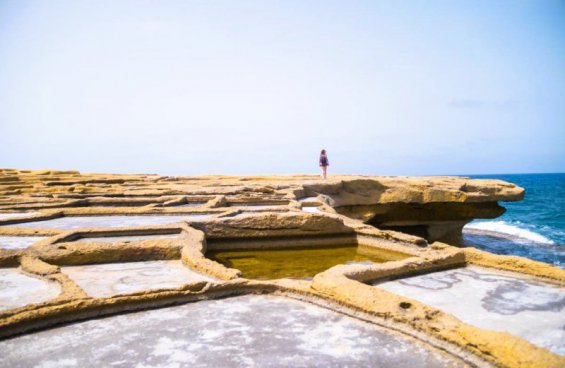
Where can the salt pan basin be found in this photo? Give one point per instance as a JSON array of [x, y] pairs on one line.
[[110, 279], [493, 300], [298, 262], [191, 204], [309, 199], [245, 331], [18, 242], [17, 289], [125, 238], [15, 216], [311, 209], [78, 222], [256, 206]]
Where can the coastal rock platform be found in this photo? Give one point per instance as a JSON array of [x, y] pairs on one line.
[[87, 250]]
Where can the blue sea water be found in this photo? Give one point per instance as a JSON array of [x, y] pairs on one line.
[[532, 228]]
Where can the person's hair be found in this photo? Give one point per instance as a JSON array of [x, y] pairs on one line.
[[323, 152]]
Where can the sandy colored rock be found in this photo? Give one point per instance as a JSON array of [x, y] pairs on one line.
[[246, 211]]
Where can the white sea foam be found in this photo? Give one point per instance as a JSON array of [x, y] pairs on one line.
[[505, 229]]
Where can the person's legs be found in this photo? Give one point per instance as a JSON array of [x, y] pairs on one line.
[[324, 168]]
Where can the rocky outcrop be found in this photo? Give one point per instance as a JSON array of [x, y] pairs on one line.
[[436, 208], [228, 212]]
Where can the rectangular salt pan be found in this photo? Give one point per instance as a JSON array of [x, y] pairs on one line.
[[311, 209], [493, 300], [18, 290], [18, 242], [244, 331], [15, 216], [126, 238], [309, 199], [190, 204], [122, 278], [78, 222], [257, 206]]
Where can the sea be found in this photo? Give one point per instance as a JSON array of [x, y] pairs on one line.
[[532, 228]]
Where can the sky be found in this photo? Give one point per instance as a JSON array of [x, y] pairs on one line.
[[260, 87]]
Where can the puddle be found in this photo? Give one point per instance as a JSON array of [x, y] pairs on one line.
[[311, 209], [125, 238], [244, 331], [78, 222], [18, 242], [298, 263], [18, 289], [493, 300], [122, 278]]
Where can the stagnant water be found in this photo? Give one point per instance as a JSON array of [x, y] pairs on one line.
[[245, 331], [297, 263]]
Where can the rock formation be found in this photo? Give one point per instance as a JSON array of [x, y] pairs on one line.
[[80, 223]]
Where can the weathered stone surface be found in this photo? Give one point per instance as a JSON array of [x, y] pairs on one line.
[[433, 207], [246, 211], [351, 191], [273, 225]]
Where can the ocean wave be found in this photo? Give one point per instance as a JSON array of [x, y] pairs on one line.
[[505, 229]]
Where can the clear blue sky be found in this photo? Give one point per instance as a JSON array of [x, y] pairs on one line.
[[252, 87]]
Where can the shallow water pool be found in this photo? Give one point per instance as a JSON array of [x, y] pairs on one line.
[[298, 262]]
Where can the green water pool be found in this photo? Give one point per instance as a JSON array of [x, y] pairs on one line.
[[299, 263]]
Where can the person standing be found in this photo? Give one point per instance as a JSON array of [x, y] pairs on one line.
[[324, 163]]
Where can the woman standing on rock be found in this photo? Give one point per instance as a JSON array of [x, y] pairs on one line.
[[324, 163]]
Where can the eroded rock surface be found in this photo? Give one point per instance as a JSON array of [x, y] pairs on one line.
[[114, 244], [433, 207], [436, 208]]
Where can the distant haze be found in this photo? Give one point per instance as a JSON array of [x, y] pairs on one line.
[[257, 87]]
